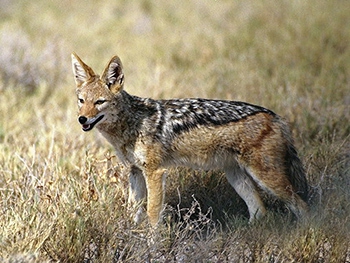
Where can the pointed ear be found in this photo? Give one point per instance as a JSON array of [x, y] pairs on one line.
[[113, 75], [82, 72]]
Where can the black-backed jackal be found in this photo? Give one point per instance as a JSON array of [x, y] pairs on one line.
[[251, 144]]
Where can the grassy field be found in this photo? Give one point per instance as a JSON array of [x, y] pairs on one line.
[[62, 192]]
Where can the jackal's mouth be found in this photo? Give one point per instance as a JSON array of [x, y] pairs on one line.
[[88, 126]]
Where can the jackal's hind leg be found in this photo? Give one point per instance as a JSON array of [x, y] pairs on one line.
[[246, 189], [276, 183], [137, 193]]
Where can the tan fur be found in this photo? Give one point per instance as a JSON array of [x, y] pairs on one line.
[[251, 144]]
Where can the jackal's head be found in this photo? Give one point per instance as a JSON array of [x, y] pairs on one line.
[[96, 94]]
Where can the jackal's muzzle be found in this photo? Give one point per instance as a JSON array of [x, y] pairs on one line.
[[88, 124]]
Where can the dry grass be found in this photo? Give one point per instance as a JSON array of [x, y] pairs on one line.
[[62, 192]]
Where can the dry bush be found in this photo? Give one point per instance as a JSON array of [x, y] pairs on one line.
[[27, 64]]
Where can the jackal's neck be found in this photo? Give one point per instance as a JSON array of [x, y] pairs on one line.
[[126, 114], [135, 108]]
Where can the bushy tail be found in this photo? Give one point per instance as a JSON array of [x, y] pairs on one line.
[[296, 173]]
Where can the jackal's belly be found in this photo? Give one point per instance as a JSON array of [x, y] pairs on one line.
[[205, 148], [202, 161]]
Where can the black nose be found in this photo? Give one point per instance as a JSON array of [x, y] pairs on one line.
[[82, 119]]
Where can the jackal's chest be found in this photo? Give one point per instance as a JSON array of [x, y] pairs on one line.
[[126, 145]]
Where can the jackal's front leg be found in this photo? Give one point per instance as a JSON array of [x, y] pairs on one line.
[[137, 192], [155, 195]]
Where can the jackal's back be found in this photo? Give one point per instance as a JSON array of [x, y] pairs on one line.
[[181, 115]]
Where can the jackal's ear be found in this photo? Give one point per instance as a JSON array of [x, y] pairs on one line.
[[82, 72], [113, 75]]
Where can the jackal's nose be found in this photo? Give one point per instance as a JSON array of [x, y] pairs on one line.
[[82, 119]]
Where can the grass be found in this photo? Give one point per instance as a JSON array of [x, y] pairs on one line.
[[63, 193]]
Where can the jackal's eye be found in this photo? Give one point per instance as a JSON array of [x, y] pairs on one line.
[[100, 102], [81, 101]]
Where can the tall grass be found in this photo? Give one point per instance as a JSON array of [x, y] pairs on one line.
[[63, 193]]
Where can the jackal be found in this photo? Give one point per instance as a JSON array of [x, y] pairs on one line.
[[251, 144]]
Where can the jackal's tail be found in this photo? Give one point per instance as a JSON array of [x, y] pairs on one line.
[[296, 173]]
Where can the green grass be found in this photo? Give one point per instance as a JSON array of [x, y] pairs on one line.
[[62, 192]]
